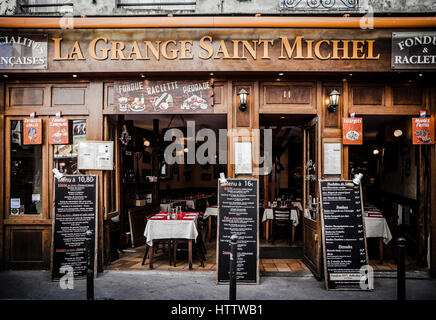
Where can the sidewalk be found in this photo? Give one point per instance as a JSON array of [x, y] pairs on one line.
[[164, 285]]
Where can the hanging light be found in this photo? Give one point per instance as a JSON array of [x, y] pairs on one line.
[[334, 100], [146, 143], [375, 151], [243, 94], [398, 133]]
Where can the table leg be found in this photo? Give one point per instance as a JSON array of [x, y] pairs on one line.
[[190, 253], [210, 229], [169, 252], [293, 233], [151, 256], [381, 249], [267, 229]]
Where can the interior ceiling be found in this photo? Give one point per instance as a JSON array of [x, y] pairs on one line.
[[145, 121], [373, 124]]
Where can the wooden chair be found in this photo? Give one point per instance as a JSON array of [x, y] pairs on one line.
[[198, 246], [155, 248], [281, 222]]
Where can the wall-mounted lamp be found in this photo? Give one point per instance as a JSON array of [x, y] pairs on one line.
[[334, 100], [243, 94]]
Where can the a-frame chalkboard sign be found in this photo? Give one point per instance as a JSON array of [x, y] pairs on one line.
[[343, 235]]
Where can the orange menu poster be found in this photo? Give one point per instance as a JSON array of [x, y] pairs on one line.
[[32, 131], [423, 130], [58, 131], [352, 131]]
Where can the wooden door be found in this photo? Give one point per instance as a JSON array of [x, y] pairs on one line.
[[311, 219]]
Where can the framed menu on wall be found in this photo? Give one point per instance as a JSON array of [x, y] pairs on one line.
[[238, 215], [96, 155], [243, 160]]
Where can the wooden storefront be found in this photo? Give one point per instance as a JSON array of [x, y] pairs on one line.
[[356, 63]]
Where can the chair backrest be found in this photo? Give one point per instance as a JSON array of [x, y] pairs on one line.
[[282, 216], [200, 222], [180, 204], [212, 201], [201, 205]]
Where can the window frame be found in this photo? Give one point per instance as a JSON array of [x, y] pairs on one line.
[[45, 174]]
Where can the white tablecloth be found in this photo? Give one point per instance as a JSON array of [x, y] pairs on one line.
[[170, 229], [269, 215], [376, 228], [298, 205], [211, 211]]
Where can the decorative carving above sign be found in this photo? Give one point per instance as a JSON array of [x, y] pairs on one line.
[[414, 50], [321, 5], [163, 96], [19, 51]]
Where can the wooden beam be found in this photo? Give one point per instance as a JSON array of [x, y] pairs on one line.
[[94, 131]]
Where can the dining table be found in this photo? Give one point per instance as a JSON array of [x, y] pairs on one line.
[[162, 227], [211, 211], [377, 227]]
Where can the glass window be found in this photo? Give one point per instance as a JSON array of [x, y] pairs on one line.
[[65, 155], [26, 174]]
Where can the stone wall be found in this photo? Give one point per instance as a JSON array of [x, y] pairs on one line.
[[225, 7]]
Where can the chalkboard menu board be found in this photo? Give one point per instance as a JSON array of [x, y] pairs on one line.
[[75, 212], [344, 242], [238, 215]]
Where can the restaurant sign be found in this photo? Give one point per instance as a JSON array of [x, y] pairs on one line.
[[423, 130], [414, 50], [352, 132], [58, 131], [163, 96], [32, 129], [23, 51]]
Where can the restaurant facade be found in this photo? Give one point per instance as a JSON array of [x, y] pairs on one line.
[[319, 74]]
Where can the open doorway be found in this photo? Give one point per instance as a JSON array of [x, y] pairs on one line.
[[151, 184], [283, 191], [395, 174]]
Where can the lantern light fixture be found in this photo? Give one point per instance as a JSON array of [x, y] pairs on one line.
[[243, 94], [334, 100]]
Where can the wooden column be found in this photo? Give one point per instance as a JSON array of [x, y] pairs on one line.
[[155, 161], [432, 191], [94, 131], [2, 174], [241, 124]]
